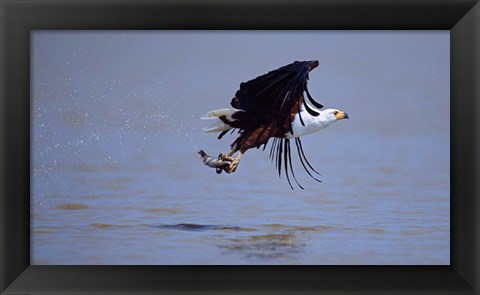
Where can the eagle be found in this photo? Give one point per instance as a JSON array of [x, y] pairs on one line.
[[275, 106]]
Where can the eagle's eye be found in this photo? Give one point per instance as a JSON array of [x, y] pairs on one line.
[[335, 113]]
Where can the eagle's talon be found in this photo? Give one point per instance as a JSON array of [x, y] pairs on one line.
[[233, 166], [224, 157]]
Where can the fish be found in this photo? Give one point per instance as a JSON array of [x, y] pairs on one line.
[[218, 164]]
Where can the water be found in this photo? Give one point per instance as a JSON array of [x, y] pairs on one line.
[[170, 209], [116, 178]]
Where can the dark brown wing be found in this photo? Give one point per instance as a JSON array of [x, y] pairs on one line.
[[273, 95]]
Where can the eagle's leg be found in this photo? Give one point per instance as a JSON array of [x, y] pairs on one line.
[[229, 156], [234, 164]]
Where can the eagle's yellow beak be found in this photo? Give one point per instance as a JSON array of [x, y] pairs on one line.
[[341, 115]]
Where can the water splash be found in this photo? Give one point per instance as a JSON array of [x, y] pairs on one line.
[[173, 124]]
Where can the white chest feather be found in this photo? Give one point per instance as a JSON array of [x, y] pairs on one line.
[[312, 123]]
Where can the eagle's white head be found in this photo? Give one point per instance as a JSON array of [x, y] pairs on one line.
[[333, 115], [313, 124]]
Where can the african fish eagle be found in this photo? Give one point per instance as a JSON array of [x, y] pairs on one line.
[[274, 106]]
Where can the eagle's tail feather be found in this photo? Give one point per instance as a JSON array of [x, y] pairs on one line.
[[218, 113], [219, 125]]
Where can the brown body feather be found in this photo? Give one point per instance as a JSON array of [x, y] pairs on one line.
[[254, 134]]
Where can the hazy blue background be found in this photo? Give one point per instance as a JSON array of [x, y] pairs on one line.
[[115, 130]]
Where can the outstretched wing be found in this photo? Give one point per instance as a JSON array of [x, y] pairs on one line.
[[272, 97]]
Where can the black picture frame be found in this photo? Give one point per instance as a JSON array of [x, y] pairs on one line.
[[18, 18]]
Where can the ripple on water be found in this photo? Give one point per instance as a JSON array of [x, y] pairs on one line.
[[202, 227], [265, 247], [101, 225], [317, 228], [40, 232], [72, 206], [300, 228], [275, 225], [378, 231], [277, 237], [164, 210]]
